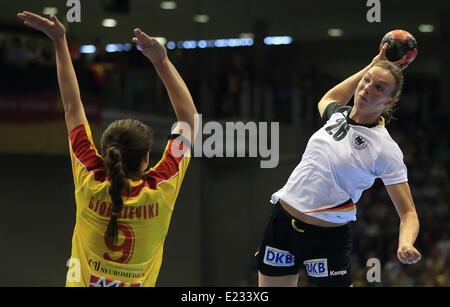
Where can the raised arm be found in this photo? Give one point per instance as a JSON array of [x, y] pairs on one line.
[[68, 84], [179, 95], [342, 92], [400, 195]]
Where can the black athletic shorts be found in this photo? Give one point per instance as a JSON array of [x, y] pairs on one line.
[[288, 243]]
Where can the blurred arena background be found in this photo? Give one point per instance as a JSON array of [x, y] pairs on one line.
[[292, 53]]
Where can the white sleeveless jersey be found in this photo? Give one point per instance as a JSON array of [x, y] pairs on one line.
[[341, 160]]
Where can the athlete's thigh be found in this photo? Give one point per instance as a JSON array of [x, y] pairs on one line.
[[277, 281]]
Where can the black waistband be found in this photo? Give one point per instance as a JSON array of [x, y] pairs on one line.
[[304, 225]]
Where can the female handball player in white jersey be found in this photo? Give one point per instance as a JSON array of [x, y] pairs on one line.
[[122, 211], [309, 225]]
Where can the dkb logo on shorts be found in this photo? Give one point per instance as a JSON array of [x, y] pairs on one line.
[[278, 257], [317, 267]]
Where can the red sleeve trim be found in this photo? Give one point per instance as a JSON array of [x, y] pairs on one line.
[[168, 167], [85, 152]]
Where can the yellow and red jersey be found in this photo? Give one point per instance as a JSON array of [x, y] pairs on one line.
[[143, 222]]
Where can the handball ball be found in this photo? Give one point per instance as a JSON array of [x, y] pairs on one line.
[[402, 47]]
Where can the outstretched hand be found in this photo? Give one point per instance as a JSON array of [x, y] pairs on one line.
[[52, 27], [151, 48], [408, 254]]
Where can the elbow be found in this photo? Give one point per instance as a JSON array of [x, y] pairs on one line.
[[410, 217]]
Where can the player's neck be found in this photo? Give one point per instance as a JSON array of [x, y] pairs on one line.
[[364, 119]]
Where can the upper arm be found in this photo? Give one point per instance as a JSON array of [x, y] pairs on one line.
[[168, 174], [75, 117], [400, 195], [86, 161]]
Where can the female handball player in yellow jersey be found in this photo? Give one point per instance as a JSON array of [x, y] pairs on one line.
[[123, 212]]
